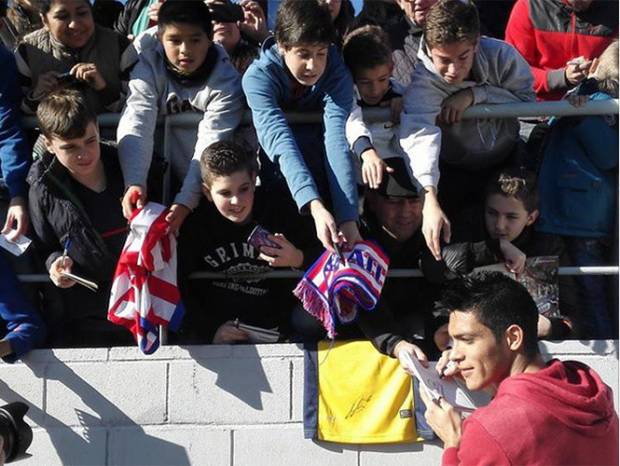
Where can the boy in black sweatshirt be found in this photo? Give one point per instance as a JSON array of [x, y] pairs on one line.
[[215, 239]]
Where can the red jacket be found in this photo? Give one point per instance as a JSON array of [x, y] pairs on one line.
[[563, 414], [548, 33]]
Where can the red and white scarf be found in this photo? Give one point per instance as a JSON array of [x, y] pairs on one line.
[[144, 292], [331, 291]]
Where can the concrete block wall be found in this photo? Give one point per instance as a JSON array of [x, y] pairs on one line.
[[202, 405]]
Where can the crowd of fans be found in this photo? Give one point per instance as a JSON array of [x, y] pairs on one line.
[[434, 190]]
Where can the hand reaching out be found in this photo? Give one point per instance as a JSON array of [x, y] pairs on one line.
[[17, 214]]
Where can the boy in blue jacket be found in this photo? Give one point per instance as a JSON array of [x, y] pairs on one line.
[[301, 70], [579, 188]]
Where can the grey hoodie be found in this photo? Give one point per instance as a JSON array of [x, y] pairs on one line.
[[500, 75], [153, 93]]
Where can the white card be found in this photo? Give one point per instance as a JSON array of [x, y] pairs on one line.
[[17, 246]]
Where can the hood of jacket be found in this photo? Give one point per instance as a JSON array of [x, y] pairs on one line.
[[571, 392]]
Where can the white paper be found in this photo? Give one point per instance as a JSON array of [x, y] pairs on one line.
[[17, 246]]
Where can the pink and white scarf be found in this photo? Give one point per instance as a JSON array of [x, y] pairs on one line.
[[144, 292], [331, 291]]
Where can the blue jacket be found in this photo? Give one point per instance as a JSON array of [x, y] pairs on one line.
[[14, 150], [20, 324], [267, 85], [577, 182]]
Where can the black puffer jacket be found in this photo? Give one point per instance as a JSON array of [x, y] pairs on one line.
[[128, 16], [56, 215]]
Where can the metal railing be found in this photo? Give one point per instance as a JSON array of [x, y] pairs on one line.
[[514, 110]]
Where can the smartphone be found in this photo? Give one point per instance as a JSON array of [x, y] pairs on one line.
[[260, 237], [225, 12]]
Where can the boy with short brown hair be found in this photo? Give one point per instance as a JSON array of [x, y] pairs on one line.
[[368, 55], [458, 69], [215, 238]]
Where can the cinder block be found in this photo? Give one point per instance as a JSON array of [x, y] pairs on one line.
[[400, 455], [280, 445], [172, 445], [106, 393], [63, 446], [23, 383], [229, 391]]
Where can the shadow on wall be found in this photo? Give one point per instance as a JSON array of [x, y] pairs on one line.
[[603, 347], [140, 448], [246, 381]]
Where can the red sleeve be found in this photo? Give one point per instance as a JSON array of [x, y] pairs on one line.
[[520, 34], [477, 448]]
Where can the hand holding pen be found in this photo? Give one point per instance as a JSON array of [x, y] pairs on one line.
[[446, 366], [65, 250]]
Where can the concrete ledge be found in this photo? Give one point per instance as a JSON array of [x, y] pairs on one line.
[[216, 405]]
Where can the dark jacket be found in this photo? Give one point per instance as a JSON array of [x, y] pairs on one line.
[[128, 16], [461, 258], [404, 311], [578, 185], [57, 215]]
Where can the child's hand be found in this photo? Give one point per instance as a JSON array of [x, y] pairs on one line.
[[59, 266], [350, 233], [46, 83], [134, 198], [154, 11], [325, 225], [18, 214], [578, 100], [89, 73], [254, 22], [434, 223], [514, 257], [285, 256], [453, 107], [413, 350], [228, 333], [373, 168], [396, 108], [175, 218]]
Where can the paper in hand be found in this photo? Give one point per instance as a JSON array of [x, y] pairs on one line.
[[16, 246], [92, 286], [453, 391]]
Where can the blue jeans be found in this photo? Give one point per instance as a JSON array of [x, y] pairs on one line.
[[593, 290]]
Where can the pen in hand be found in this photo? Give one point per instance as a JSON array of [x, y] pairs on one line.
[[65, 250], [340, 254], [450, 366]]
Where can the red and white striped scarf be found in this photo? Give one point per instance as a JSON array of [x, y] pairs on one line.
[[144, 292], [332, 291]]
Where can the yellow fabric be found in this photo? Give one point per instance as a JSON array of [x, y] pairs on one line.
[[361, 395]]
